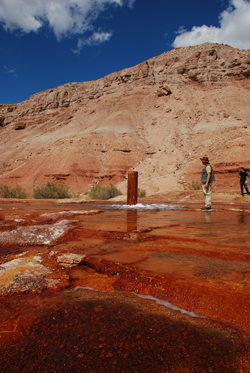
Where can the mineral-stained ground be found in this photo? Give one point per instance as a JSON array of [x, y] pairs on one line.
[[98, 287]]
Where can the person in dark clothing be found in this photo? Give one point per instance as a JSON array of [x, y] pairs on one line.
[[243, 180]]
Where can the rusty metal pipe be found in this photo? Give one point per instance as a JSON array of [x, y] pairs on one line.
[[132, 189]]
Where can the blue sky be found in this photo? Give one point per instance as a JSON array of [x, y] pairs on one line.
[[46, 43]]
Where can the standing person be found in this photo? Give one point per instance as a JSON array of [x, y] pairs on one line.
[[243, 180], [207, 178]]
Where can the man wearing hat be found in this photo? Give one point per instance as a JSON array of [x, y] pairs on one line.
[[207, 178]]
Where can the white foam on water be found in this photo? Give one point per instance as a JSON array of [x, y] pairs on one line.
[[150, 297], [141, 206]]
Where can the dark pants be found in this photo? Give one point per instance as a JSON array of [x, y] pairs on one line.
[[243, 183]]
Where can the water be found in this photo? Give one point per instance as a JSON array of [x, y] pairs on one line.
[[140, 206], [150, 297]]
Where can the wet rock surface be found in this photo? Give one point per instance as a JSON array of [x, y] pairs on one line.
[[36, 234], [118, 290]]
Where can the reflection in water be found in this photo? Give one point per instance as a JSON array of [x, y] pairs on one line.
[[131, 220], [208, 217]]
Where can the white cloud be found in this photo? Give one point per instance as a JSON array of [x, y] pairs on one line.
[[96, 39], [234, 29], [64, 17], [130, 3], [9, 71]]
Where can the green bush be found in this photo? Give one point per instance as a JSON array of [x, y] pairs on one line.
[[51, 191], [195, 185], [16, 192], [105, 192], [141, 193]]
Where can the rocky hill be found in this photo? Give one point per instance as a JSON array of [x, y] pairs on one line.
[[158, 117]]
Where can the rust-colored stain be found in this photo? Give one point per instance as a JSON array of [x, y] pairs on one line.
[[79, 311]]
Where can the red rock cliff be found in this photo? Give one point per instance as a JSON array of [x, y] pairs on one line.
[[158, 117]]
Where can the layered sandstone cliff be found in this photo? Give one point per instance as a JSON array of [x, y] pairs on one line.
[[158, 117]]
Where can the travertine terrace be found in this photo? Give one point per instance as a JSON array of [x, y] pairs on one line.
[[97, 288], [157, 117]]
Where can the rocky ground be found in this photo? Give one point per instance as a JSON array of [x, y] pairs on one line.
[[93, 286]]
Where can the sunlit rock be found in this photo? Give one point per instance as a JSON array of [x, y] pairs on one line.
[[70, 259], [63, 213], [23, 275], [36, 234]]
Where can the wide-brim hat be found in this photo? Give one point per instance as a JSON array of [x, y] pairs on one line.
[[205, 159]]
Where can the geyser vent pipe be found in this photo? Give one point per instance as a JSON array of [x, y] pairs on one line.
[[132, 189]]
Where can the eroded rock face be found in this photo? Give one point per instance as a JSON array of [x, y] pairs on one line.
[[20, 126], [158, 117]]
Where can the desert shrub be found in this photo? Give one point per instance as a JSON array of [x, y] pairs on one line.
[[51, 191], [16, 192], [195, 185], [105, 192], [141, 193]]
